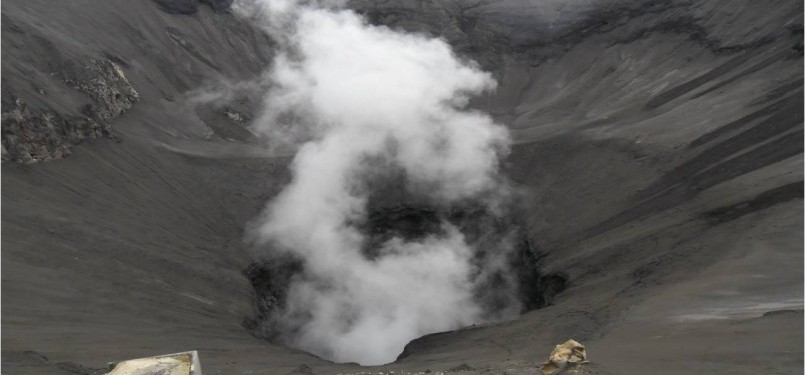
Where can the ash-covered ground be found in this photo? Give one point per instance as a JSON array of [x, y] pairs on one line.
[[656, 154]]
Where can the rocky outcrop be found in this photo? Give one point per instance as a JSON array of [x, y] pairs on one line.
[[41, 136], [106, 84], [32, 135]]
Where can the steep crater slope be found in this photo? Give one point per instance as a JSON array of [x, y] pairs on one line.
[[658, 145], [661, 145]]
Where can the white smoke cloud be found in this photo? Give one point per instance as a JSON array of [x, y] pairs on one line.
[[351, 92], [222, 91]]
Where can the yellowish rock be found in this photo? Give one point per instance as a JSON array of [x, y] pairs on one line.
[[568, 354], [172, 364]]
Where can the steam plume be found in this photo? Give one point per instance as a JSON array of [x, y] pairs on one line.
[[351, 94]]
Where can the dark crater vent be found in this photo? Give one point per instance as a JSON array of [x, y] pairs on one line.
[[520, 283]]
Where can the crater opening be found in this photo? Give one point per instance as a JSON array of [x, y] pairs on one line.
[[502, 291]]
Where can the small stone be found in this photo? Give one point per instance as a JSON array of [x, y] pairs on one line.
[[302, 370], [461, 367]]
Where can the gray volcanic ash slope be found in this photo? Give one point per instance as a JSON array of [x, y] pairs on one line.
[[657, 158]]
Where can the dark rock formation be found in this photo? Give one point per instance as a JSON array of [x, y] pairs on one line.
[[191, 6], [32, 135], [44, 135], [218, 5], [178, 6], [271, 279], [106, 84]]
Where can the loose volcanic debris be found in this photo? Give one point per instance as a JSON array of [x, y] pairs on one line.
[[105, 83], [32, 135]]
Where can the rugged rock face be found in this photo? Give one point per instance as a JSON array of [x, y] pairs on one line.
[[32, 135], [106, 84], [58, 92], [29, 138]]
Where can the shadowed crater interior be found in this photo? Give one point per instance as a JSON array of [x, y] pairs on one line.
[[519, 285]]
